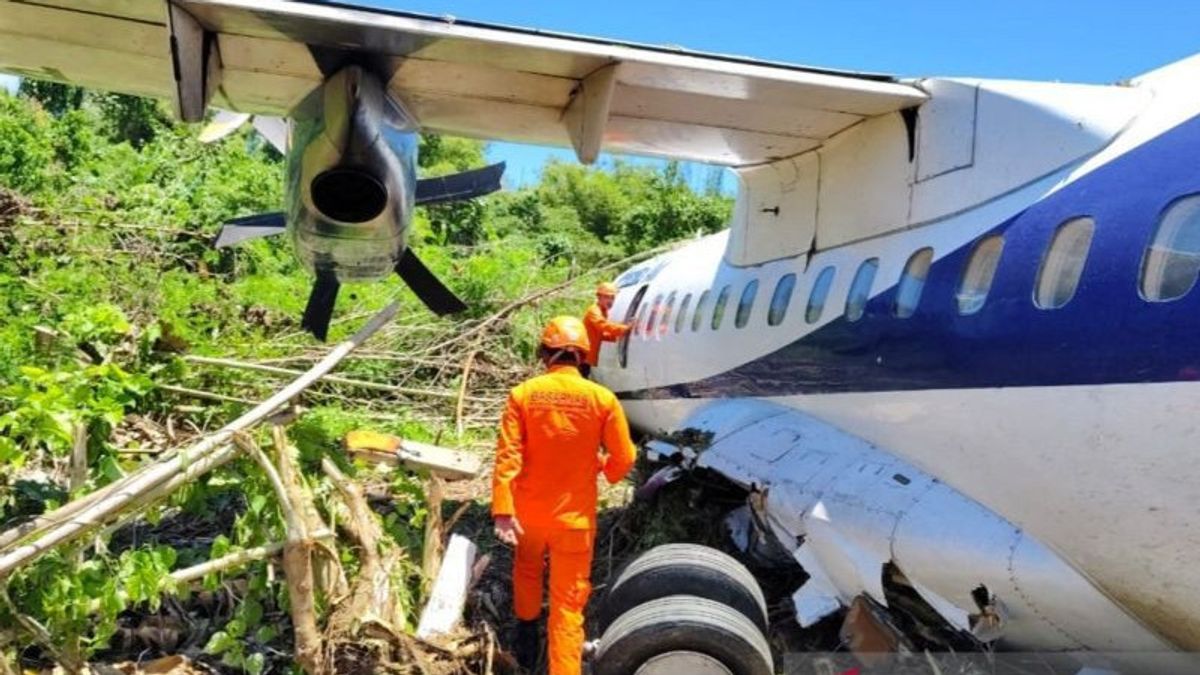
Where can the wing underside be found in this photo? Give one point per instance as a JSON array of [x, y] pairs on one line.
[[457, 77]]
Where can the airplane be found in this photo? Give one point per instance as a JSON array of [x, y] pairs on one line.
[[945, 345]]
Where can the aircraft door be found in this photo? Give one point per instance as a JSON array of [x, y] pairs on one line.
[[630, 314]]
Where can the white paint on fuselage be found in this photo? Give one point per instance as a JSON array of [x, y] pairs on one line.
[[1102, 474]]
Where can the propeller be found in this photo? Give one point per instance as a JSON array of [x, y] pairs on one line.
[[225, 122], [429, 289], [250, 227], [319, 310]]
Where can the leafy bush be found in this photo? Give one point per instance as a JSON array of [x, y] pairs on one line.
[[106, 274]]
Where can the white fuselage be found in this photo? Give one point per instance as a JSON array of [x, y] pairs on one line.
[[1078, 423]]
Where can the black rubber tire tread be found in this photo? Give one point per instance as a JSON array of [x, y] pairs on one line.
[[683, 623], [684, 569]]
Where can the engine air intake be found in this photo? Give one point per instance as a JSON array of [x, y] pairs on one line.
[[348, 195]]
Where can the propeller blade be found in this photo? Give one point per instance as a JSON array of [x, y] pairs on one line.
[[439, 299], [275, 130], [225, 122], [459, 186], [319, 311], [250, 227]]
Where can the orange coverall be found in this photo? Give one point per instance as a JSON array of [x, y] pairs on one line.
[[600, 329], [547, 460]]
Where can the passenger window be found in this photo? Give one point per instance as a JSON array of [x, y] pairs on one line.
[[701, 310], [664, 325], [781, 299], [634, 306], [820, 291], [719, 308], [860, 289], [746, 304], [978, 275], [912, 283], [681, 318], [1172, 261], [655, 308], [1063, 265]]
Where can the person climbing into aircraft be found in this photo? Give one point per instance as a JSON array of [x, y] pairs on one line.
[[599, 328], [548, 455]]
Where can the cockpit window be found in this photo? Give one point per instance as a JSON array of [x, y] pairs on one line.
[[1063, 265], [860, 289], [820, 292], [701, 310], [912, 283], [781, 299], [978, 275], [746, 304], [719, 308], [681, 318], [1172, 261]]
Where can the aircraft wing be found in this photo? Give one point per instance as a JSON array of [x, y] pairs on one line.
[[457, 77]]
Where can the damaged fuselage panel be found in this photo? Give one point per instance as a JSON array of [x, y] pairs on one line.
[[846, 511]]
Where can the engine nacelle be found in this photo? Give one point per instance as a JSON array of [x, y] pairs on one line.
[[353, 168]]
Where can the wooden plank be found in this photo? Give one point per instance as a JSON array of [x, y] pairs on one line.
[[446, 463], [449, 590]]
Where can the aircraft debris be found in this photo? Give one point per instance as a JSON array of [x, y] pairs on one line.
[[449, 595], [871, 635], [446, 463]]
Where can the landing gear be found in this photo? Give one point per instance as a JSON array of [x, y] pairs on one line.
[[685, 569], [684, 608], [683, 634]]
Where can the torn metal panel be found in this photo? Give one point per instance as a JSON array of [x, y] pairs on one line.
[[661, 478], [954, 615], [850, 557], [818, 597], [870, 635], [739, 523], [847, 509]]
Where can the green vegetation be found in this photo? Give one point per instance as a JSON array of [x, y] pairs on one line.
[[108, 284]]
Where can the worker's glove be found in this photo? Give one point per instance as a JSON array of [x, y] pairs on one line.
[[507, 529]]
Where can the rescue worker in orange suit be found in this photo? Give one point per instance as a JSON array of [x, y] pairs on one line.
[[599, 328], [548, 457]]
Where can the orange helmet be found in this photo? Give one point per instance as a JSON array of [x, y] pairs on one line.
[[565, 332], [606, 288]]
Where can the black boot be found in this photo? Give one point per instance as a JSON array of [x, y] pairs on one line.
[[525, 645]]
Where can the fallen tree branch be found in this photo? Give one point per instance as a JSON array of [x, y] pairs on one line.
[[203, 395], [154, 475], [371, 601], [237, 559], [298, 559], [531, 298], [332, 379], [462, 392]]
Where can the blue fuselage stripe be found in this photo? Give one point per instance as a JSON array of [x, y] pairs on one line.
[[1106, 334]]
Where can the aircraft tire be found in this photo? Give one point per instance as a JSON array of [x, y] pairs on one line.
[[683, 634], [684, 569]]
